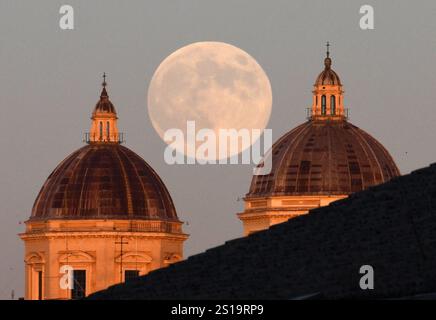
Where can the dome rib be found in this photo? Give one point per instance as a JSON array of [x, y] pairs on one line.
[[364, 142], [296, 140], [126, 185]]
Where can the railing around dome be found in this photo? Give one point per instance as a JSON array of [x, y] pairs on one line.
[[155, 226], [114, 138], [173, 227], [309, 114]]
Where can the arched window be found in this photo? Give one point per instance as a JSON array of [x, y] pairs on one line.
[[108, 130], [333, 105], [101, 130], [323, 106]]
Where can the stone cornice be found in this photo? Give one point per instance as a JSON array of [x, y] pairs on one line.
[[77, 234]]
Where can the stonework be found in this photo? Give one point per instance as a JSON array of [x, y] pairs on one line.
[[264, 212], [95, 246], [391, 227]]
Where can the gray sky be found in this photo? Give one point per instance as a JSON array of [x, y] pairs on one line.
[[50, 81]]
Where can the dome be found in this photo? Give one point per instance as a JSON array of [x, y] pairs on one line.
[[324, 157], [328, 76], [104, 180], [104, 104]]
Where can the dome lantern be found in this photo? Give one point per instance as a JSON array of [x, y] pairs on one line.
[[328, 94], [104, 121]]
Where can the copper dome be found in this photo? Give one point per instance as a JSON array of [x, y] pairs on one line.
[[328, 76], [324, 157], [104, 180], [104, 104]]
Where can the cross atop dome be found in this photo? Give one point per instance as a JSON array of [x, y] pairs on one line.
[[327, 60], [104, 84]]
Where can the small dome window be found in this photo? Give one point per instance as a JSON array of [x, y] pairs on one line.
[[333, 105], [323, 105], [101, 130]]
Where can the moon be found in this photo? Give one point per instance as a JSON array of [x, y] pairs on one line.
[[215, 84]]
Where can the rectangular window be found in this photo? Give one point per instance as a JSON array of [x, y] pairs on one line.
[[39, 285], [101, 130], [79, 281], [323, 105], [333, 105], [130, 275]]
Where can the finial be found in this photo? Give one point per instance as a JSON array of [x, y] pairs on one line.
[[327, 60], [104, 80], [104, 84]]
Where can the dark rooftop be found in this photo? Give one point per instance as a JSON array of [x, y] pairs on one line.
[[391, 227]]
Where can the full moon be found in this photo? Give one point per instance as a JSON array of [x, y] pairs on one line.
[[215, 84]]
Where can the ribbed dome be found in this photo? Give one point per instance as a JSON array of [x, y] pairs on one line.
[[104, 180], [324, 157], [328, 76], [104, 104]]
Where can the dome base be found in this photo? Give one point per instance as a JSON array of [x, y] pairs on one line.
[[100, 253], [263, 212]]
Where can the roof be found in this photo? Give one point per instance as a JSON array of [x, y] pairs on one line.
[[391, 227], [328, 76], [325, 157], [104, 181], [104, 104]]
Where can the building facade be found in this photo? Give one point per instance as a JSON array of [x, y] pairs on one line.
[[103, 217], [322, 160]]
